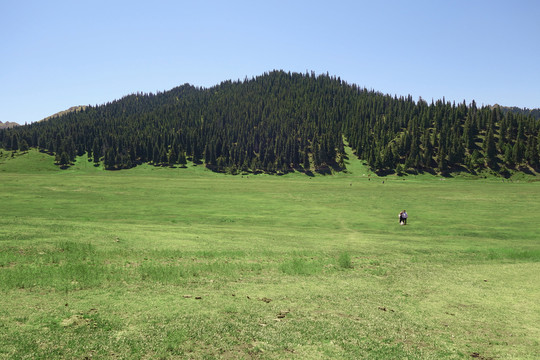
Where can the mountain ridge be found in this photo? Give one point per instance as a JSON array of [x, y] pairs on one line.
[[64, 112], [8, 125], [524, 111]]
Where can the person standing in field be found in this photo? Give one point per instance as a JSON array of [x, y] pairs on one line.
[[401, 218], [404, 217]]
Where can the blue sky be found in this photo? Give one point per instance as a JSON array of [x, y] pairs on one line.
[[58, 54]]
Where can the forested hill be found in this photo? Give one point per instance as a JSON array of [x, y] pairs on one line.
[[280, 122]]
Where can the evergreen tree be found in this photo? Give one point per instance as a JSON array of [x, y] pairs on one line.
[[156, 155], [305, 163], [162, 156], [109, 159], [96, 151], [490, 149], [476, 160], [23, 145], [64, 159], [14, 143], [196, 154], [469, 135], [517, 152], [182, 159], [508, 157], [172, 156], [442, 163], [531, 152]]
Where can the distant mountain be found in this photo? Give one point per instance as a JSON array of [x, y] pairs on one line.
[[8, 125], [281, 122], [61, 113], [523, 111]]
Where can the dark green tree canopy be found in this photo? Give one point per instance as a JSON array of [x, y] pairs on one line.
[[282, 121]]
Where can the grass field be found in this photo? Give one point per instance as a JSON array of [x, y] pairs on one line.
[[153, 263]]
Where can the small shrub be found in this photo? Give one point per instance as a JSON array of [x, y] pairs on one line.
[[344, 261], [300, 267]]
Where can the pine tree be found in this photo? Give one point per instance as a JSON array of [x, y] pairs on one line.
[[305, 164], [507, 155], [517, 152], [172, 156], [531, 152], [109, 158], [23, 145], [14, 143], [196, 154], [316, 154], [182, 159], [64, 159], [490, 149], [442, 163], [476, 160], [96, 151], [162, 155], [469, 135], [156, 156]]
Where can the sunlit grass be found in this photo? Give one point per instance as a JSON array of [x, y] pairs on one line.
[[184, 263]]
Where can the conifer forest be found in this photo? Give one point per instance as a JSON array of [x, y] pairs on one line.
[[281, 122]]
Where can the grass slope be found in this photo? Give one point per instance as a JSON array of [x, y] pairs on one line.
[[185, 263]]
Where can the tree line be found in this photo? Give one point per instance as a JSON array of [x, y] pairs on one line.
[[280, 122]]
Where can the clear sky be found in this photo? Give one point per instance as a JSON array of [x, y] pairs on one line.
[[58, 54]]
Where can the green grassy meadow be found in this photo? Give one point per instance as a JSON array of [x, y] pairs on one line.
[[160, 263]]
